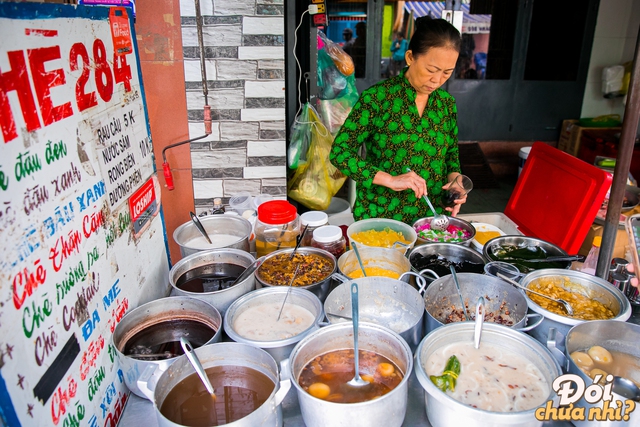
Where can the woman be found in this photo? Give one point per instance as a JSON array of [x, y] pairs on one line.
[[405, 121], [398, 50]]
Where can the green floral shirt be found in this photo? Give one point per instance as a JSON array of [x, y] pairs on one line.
[[385, 119]]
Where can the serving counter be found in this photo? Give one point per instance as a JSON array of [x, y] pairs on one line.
[[140, 412]]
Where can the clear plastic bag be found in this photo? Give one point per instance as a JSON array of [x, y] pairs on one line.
[[316, 181], [300, 139]]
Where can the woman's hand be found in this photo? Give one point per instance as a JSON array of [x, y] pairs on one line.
[[457, 202], [407, 181]]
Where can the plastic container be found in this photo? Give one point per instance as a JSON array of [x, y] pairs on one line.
[[337, 206], [591, 262], [277, 227], [312, 219], [260, 199], [241, 202], [329, 238], [522, 158]]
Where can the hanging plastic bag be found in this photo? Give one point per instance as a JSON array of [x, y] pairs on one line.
[[340, 58], [300, 139], [316, 181], [330, 80]]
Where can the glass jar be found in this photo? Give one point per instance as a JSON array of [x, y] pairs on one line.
[[329, 238], [277, 227], [313, 220]]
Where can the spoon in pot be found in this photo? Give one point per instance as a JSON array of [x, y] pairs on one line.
[[357, 381], [439, 221], [562, 302], [293, 279], [300, 237], [455, 279], [200, 227], [197, 366], [477, 332], [247, 271], [355, 250], [627, 388]]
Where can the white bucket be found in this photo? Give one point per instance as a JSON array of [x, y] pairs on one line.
[[522, 154]]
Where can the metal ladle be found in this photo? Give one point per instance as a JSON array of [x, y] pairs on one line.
[[455, 279], [355, 250], [439, 221], [197, 366], [200, 227], [627, 388], [477, 331], [564, 303], [357, 381], [295, 273]]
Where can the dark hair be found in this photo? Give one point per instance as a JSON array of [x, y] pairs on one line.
[[432, 33]]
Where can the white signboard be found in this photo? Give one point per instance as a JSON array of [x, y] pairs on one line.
[[76, 172]]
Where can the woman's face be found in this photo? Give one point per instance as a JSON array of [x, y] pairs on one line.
[[430, 70]]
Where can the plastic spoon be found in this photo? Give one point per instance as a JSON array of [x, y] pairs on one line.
[[439, 221], [477, 331], [357, 381], [200, 227], [355, 250], [564, 303], [455, 279]]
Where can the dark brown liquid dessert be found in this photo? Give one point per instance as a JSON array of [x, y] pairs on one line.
[[162, 340], [239, 391], [209, 278]]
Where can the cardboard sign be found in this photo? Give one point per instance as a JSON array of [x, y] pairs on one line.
[[74, 148]]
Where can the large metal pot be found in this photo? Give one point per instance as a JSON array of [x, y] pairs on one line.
[[279, 349], [444, 411], [451, 252], [162, 312], [228, 225], [442, 294], [389, 409], [614, 336], [214, 262], [321, 288], [388, 302], [386, 258], [523, 242], [599, 289], [269, 414]]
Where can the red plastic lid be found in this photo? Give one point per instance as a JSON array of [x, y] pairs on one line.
[[276, 212], [557, 197]]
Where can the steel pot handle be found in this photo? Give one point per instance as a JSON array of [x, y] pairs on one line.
[[553, 340], [422, 283], [535, 325], [431, 272], [340, 277], [145, 383], [402, 245], [285, 382]]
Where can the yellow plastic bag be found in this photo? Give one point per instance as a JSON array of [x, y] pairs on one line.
[[316, 181]]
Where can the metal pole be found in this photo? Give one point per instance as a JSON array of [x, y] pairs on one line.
[[623, 161]]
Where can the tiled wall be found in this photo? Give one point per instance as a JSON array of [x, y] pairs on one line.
[[614, 43], [244, 49]]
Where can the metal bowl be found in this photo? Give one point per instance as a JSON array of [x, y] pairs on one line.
[[632, 194], [281, 348], [384, 258], [523, 242], [458, 222], [450, 251], [321, 288], [381, 224], [598, 289]]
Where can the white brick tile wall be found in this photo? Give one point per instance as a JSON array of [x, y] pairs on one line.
[[265, 172], [264, 89], [254, 25], [257, 114], [197, 129], [261, 52], [207, 189], [266, 148], [193, 73]]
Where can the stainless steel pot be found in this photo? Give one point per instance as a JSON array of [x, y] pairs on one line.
[[386, 258], [599, 289], [442, 294], [444, 411], [451, 251], [278, 349], [388, 302], [523, 241], [233, 225], [214, 261], [614, 336], [269, 414], [321, 288], [158, 312], [388, 410]]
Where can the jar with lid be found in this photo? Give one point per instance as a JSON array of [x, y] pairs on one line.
[[329, 238], [277, 227], [313, 220]]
